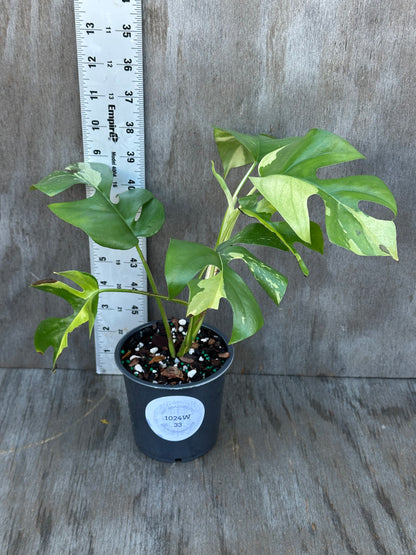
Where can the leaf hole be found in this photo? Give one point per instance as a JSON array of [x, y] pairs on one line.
[[375, 210], [139, 213]]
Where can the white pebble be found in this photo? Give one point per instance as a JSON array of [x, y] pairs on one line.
[[205, 339], [191, 373], [191, 351], [182, 322], [201, 359], [177, 360], [154, 350], [138, 368], [180, 328]]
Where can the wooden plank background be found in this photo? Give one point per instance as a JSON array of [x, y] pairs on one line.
[[254, 66], [301, 466]]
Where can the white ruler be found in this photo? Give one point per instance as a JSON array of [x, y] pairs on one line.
[[109, 47]]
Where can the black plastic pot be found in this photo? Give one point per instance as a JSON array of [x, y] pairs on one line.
[[174, 422]]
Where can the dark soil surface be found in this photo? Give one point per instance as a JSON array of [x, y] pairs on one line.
[[146, 355]]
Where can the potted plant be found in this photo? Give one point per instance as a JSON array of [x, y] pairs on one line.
[[174, 368]]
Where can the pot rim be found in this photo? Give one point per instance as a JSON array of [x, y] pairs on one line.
[[178, 387]]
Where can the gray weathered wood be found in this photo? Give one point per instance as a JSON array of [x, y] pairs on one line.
[[302, 465], [41, 121], [280, 67]]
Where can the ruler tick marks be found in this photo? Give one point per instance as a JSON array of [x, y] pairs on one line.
[[109, 52]]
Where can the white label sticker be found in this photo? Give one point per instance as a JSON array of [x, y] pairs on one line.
[[175, 418]]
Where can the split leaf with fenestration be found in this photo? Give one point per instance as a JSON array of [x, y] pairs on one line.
[[206, 294], [184, 260], [270, 280], [288, 178], [53, 332], [238, 149], [117, 225], [227, 284]]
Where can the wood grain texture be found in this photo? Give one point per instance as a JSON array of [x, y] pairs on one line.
[[41, 118], [302, 465], [280, 67]]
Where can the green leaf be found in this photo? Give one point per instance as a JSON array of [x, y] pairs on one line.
[[349, 227], [152, 213], [247, 317], [258, 234], [114, 225], [53, 332], [270, 280], [238, 149], [83, 173], [317, 149], [290, 197], [185, 259], [250, 207], [205, 294], [288, 179], [255, 203]]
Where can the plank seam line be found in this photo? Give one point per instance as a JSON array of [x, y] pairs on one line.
[[260, 374]]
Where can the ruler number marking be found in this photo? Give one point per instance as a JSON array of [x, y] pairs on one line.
[[109, 50]]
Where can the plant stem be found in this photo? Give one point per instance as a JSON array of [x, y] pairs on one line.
[[146, 293], [195, 323], [158, 301], [226, 230], [240, 185], [232, 213], [227, 225]]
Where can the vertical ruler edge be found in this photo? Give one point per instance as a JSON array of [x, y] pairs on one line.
[[122, 312]]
